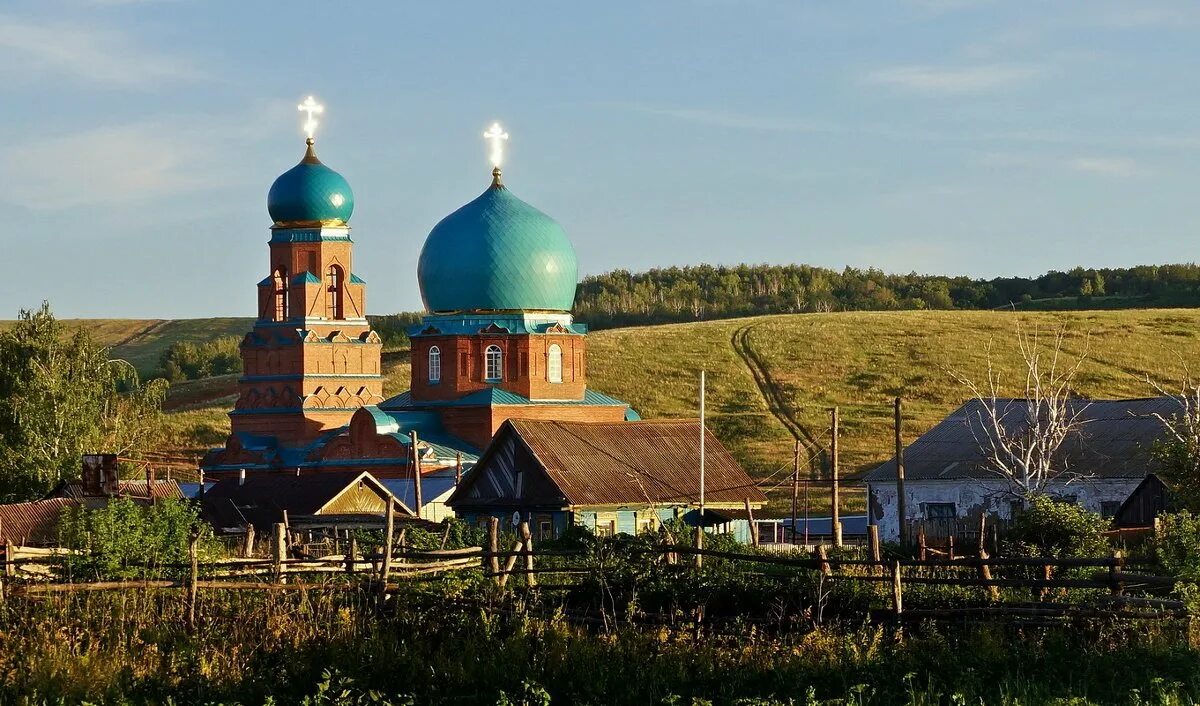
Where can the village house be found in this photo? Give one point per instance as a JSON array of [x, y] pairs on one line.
[[948, 478], [610, 477], [330, 499]]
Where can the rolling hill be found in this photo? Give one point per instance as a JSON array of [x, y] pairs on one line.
[[772, 379]]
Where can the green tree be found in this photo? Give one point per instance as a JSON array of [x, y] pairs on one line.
[[128, 539], [63, 397]]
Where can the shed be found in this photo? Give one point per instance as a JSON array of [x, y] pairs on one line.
[[1151, 498]]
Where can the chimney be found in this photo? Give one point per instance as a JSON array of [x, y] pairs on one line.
[[242, 477]]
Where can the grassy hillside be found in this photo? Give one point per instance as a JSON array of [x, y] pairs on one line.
[[142, 341], [772, 379]]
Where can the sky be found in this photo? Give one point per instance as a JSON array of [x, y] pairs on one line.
[[138, 138]]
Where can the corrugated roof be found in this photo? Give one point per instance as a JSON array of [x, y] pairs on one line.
[[162, 489], [1113, 440], [33, 523], [611, 463]]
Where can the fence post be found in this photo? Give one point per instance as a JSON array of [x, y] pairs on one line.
[[493, 562], [193, 588], [873, 543], [985, 574], [950, 547], [10, 559], [1047, 574], [897, 589], [248, 545], [824, 557], [527, 542], [835, 501], [389, 538], [1118, 586], [699, 545], [351, 554], [921, 546], [278, 552]]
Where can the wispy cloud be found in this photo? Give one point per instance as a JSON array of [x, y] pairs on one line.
[[31, 48], [739, 121], [954, 79], [132, 163], [1108, 166], [1115, 167]]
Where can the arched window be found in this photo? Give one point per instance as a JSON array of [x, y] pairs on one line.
[[334, 278], [554, 364], [435, 364], [280, 286], [493, 370]]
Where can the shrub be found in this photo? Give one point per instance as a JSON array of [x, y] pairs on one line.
[[126, 539], [191, 361], [1050, 527]]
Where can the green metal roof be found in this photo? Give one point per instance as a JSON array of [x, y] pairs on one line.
[[497, 253], [310, 192]]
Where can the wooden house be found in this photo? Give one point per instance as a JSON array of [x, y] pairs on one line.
[[1151, 498], [611, 477]]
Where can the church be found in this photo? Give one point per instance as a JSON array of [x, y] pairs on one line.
[[497, 342]]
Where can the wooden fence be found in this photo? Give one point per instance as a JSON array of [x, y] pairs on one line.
[[1120, 591]]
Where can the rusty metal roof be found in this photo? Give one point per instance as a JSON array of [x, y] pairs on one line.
[[34, 522], [1113, 440], [162, 490], [616, 463]]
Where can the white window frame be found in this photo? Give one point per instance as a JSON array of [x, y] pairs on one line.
[[435, 364], [554, 366], [493, 364]]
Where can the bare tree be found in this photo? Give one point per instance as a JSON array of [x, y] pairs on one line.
[[1179, 451], [1020, 437]]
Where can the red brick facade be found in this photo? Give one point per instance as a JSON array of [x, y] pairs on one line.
[[312, 359], [525, 368]]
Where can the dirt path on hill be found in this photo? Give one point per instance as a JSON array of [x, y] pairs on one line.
[[154, 327], [777, 403]]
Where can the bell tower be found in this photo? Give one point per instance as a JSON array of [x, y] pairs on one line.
[[312, 359]]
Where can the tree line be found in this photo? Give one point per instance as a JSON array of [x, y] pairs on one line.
[[695, 293]]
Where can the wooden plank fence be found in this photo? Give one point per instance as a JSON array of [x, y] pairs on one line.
[[388, 567]]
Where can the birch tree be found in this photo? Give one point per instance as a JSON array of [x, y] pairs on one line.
[[1020, 437], [1179, 450], [60, 397]]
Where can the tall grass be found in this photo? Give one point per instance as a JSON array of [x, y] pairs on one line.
[[458, 643]]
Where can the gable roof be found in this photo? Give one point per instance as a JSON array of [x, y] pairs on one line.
[[263, 497], [616, 463], [1113, 440]]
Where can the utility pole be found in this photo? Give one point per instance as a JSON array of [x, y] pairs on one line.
[[835, 514], [795, 485], [416, 468], [902, 515], [700, 523]]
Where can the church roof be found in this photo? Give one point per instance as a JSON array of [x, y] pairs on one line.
[[497, 396], [497, 253], [310, 193]]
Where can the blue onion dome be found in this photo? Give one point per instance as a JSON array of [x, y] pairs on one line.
[[497, 253], [310, 194]]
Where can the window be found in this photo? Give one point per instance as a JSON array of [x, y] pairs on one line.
[[280, 283], [435, 364], [554, 364], [940, 511], [334, 278], [545, 529], [493, 370], [1109, 508], [606, 529]]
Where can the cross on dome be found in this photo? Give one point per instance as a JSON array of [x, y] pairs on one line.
[[496, 136], [313, 108]]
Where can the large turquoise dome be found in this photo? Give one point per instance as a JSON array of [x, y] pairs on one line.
[[497, 253], [310, 194]]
